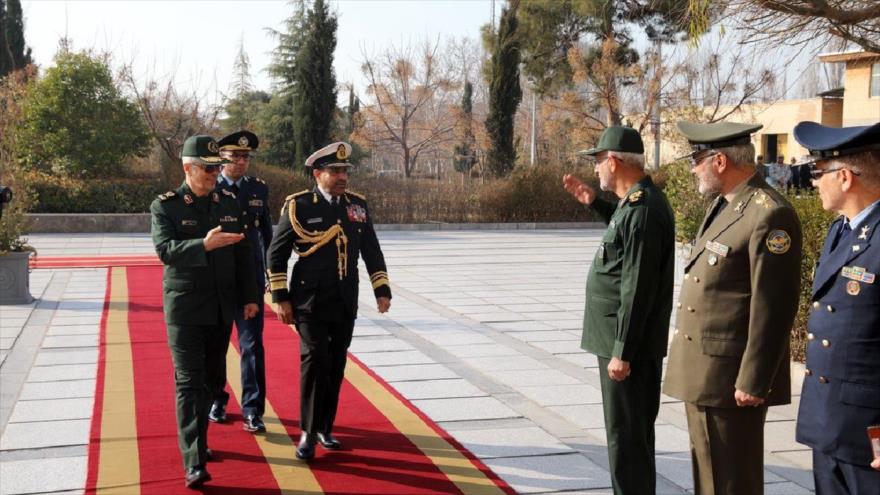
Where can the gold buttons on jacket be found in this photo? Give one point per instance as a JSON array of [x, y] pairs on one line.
[[676, 332], [696, 280], [688, 337], [690, 309], [678, 305], [810, 336], [816, 304], [822, 379], [808, 372], [830, 308], [826, 343], [686, 276]]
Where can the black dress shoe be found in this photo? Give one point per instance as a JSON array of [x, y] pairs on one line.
[[329, 442], [306, 448], [209, 455], [196, 476], [218, 413], [253, 424]]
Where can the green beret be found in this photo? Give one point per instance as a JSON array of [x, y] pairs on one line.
[[617, 138]]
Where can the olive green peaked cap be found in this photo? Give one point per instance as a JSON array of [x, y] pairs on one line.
[[617, 138], [716, 135], [202, 147]]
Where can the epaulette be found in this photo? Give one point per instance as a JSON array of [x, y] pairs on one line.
[[167, 196], [261, 181], [357, 195], [228, 193], [635, 196], [761, 198], [296, 195]]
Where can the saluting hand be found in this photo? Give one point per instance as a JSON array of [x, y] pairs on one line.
[[744, 399], [216, 238], [618, 370], [284, 310], [581, 192], [250, 310], [383, 304]]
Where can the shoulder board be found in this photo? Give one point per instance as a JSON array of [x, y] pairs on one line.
[[167, 196], [296, 195], [228, 193], [636, 196], [261, 181], [357, 195], [763, 199]]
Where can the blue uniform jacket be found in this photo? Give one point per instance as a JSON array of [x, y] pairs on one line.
[[253, 196], [841, 392]]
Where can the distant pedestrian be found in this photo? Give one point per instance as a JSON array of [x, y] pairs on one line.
[[628, 302]]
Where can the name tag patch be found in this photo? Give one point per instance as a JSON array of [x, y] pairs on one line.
[[718, 248], [314, 220], [858, 274], [356, 213], [256, 202], [188, 222], [228, 218]]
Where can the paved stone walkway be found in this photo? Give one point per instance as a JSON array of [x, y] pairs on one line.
[[483, 336]]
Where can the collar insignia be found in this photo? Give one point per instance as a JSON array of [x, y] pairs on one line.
[[215, 197], [187, 199], [864, 233]]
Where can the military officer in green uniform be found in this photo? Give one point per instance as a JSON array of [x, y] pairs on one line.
[[327, 227], [628, 302], [199, 236], [729, 356]]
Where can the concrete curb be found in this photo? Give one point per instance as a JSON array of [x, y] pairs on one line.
[[80, 223]]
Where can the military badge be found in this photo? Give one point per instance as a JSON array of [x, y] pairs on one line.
[[632, 198], [778, 242], [718, 248], [228, 218], [256, 223], [864, 234], [356, 213], [216, 197], [187, 199], [314, 220], [857, 273], [212, 146], [612, 224], [256, 202], [739, 206], [341, 153], [188, 222], [713, 260], [853, 288], [243, 141], [764, 201]]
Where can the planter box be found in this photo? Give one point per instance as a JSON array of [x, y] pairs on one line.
[[15, 278]]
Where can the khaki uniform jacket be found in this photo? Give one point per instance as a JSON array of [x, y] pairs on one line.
[[737, 303]]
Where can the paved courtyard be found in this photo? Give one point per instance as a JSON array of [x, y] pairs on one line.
[[483, 336]]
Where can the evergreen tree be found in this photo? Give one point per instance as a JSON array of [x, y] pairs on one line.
[[21, 54], [241, 73], [5, 54], [354, 107], [315, 94], [244, 103], [504, 93], [464, 152]]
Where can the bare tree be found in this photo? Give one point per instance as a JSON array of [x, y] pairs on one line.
[[413, 102]]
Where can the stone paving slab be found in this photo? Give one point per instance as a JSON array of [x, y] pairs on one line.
[[58, 390], [442, 410], [533, 378], [69, 356], [550, 473], [73, 330], [70, 341], [394, 358], [53, 475], [562, 395], [51, 410], [509, 442], [414, 372], [62, 372], [45, 434], [378, 344], [438, 389], [506, 363]]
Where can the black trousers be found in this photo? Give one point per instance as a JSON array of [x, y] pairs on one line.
[[835, 477], [630, 409], [253, 364], [323, 351]]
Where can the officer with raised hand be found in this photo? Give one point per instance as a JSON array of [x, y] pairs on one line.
[[840, 399], [327, 227], [199, 236], [253, 196], [729, 356]]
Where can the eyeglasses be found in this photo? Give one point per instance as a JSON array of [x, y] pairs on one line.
[[211, 168], [696, 162], [237, 156], [817, 174]]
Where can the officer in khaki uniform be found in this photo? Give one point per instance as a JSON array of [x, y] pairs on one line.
[[327, 227], [628, 303], [729, 356], [841, 391], [198, 235]]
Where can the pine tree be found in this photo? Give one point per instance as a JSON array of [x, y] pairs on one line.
[[241, 73], [464, 151], [315, 95], [21, 54], [244, 103], [504, 93], [5, 54]]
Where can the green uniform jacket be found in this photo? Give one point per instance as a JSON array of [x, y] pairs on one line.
[[629, 288], [737, 303], [198, 285]]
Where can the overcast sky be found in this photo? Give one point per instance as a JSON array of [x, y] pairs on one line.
[[196, 41]]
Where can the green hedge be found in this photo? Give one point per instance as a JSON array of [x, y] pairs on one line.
[[54, 194]]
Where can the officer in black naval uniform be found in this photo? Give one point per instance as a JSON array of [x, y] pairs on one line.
[[198, 234], [327, 228], [253, 197], [841, 391]]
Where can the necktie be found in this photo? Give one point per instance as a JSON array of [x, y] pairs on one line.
[[842, 235], [335, 201], [720, 203], [234, 188]]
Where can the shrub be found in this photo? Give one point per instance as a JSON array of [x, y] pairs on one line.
[[689, 205], [55, 194]]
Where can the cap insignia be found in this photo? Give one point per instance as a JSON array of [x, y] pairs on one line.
[[778, 242], [212, 146], [340, 152], [243, 141]]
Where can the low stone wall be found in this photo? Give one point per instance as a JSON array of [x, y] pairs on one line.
[[71, 223]]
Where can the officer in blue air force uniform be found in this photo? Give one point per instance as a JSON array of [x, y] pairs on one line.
[[253, 196], [327, 228], [841, 392]]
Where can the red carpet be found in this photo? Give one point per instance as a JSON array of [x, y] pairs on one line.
[[389, 446]]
